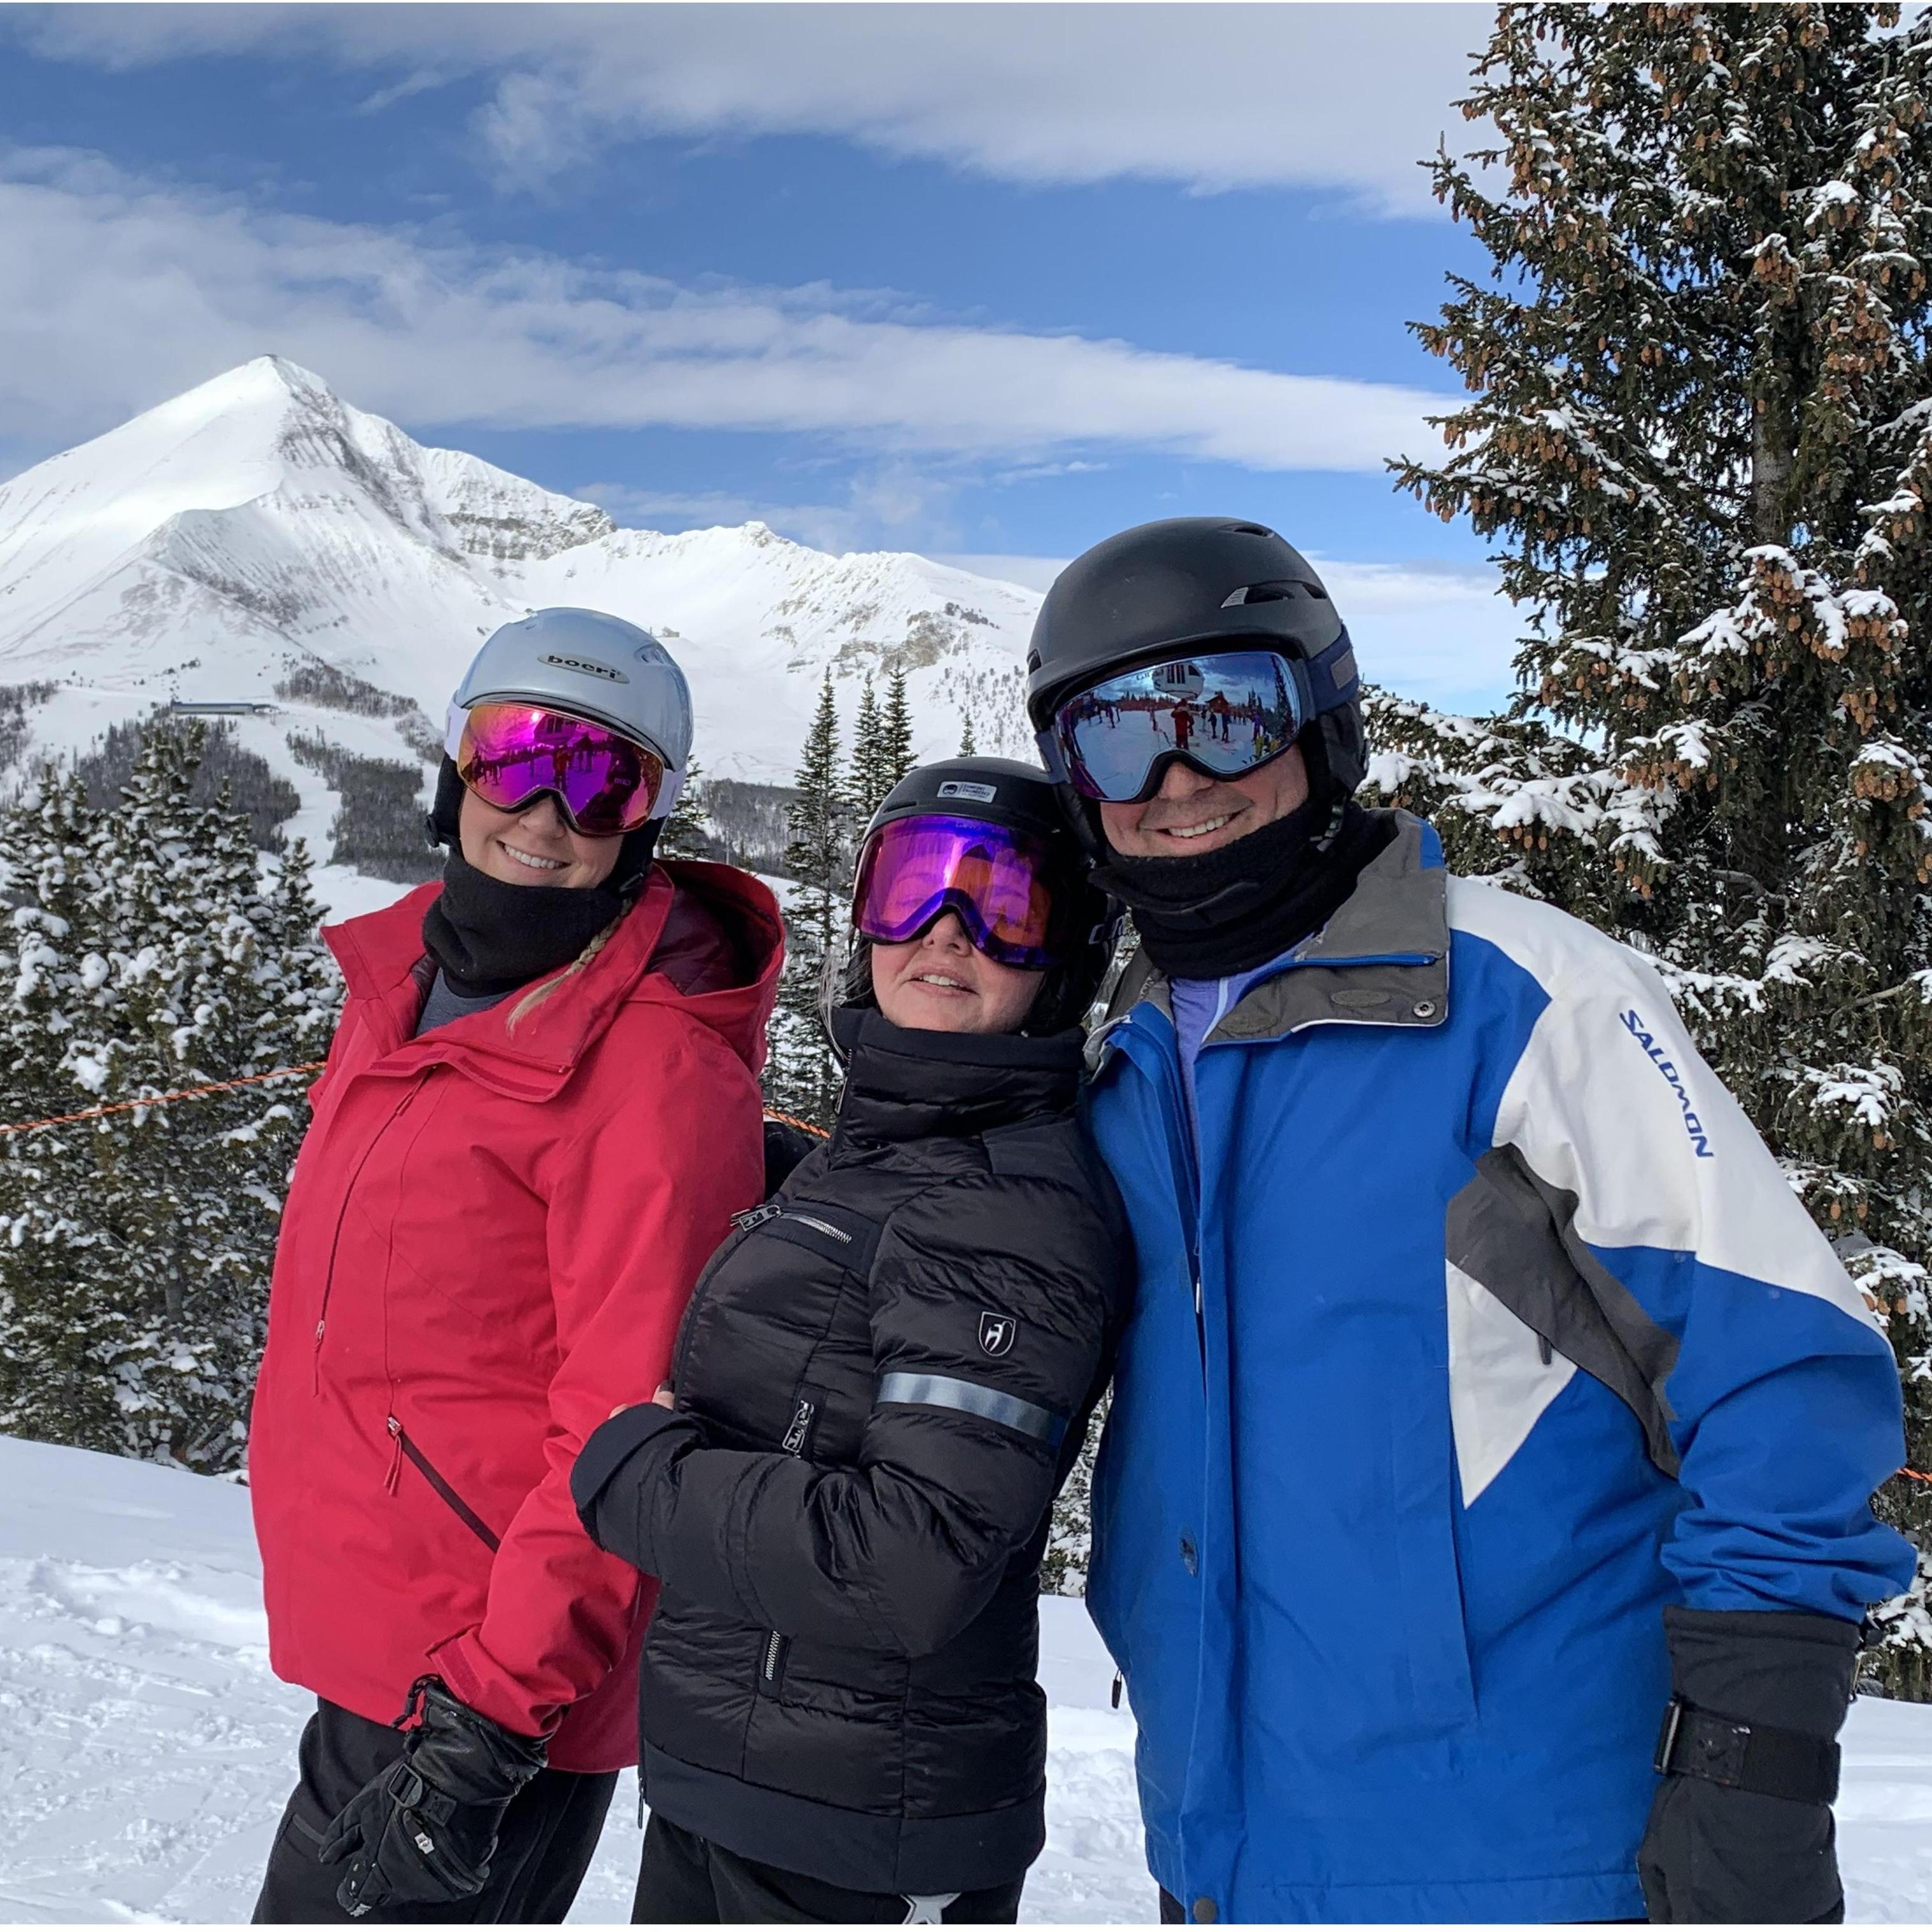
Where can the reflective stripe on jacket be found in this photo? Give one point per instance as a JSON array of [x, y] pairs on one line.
[[489, 1238], [1484, 1326]]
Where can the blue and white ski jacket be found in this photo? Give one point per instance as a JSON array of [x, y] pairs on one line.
[[1482, 1327]]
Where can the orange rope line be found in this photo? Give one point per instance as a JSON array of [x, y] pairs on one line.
[[1917, 1475], [252, 1080], [163, 1100]]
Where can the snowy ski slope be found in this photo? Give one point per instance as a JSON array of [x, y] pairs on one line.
[[145, 1750]]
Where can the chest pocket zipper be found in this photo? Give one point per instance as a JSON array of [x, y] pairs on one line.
[[771, 1662], [812, 1221], [433, 1476]]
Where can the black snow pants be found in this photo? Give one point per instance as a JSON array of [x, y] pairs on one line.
[[544, 1848], [687, 1880]]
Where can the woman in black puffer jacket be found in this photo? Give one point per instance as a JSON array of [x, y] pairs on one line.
[[883, 1377]]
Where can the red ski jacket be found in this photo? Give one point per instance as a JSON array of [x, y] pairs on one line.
[[490, 1236]]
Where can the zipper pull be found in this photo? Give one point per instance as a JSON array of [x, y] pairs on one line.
[[395, 1455], [1119, 1685], [747, 1218], [801, 1425]]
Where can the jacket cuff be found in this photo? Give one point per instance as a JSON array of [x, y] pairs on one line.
[[613, 1444], [1786, 1668], [475, 1678]]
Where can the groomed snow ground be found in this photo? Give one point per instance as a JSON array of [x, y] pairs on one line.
[[145, 1750]]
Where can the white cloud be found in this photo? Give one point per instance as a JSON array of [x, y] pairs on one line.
[[1031, 573], [1427, 630], [1347, 97], [1430, 631], [122, 292]]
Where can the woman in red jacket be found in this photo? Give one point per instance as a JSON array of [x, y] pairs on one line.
[[540, 1111]]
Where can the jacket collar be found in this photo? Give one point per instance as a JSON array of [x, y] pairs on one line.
[[905, 1084], [530, 1051], [1382, 960]]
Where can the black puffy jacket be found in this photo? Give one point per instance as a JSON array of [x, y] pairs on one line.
[[883, 1377]]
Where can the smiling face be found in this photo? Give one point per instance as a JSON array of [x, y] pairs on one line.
[[938, 981], [534, 847], [1192, 813]]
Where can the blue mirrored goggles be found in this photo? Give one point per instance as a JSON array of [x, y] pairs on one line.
[[1224, 713]]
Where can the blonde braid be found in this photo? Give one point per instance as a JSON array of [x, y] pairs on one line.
[[536, 996]]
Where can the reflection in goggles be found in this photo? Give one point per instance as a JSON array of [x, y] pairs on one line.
[[1225, 713], [993, 877], [606, 783]]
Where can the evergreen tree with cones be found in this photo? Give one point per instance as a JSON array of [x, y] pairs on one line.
[[1700, 437]]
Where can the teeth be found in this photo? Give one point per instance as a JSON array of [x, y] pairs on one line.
[[531, 860], [1200, 831], [940, 979]]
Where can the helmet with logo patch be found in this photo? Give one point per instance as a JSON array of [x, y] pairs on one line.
[[1023, 798], [588, 665], [591, 665], [1187, 585]]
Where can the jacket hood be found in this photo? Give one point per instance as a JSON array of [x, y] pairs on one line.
[[530, 1051], [903, 1083]]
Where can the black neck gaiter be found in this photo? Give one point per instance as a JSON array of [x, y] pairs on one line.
[[1237, 907], [489, 936]]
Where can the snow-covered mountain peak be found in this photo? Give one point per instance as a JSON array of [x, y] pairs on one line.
[[258, 528]]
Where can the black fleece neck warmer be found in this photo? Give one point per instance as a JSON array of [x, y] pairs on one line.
[[1237, 907], [489, 936]]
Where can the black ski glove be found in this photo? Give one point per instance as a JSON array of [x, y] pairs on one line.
[[424, 1832], [1740, 1830]]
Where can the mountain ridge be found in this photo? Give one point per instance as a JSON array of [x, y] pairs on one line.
[[258, 529]]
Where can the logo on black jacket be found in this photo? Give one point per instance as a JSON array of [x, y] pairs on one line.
[[997, 1333]]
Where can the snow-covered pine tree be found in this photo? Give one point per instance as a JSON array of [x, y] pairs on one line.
[[866, 781], [969, 745], [895, 756], [1701, 435], [802, 1077], [151, 1234], [60, 1342], [687, 832]]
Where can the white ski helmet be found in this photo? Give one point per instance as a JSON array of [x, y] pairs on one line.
[[591, 665]]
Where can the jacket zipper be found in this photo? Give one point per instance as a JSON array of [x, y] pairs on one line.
[[813, 1222], [342, 1214], [796, 1435], [432, 1476]]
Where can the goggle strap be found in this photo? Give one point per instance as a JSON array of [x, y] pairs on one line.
[[1333, 678]]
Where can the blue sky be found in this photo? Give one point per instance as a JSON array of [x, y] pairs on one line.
[[989, 282]]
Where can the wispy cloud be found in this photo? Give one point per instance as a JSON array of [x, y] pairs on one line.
[[1328, 96], [122, 291]]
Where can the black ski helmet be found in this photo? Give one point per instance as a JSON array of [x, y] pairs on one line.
[[1185, 583], [1022, 797]]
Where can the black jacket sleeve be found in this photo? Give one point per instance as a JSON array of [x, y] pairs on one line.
[[994, 1305]]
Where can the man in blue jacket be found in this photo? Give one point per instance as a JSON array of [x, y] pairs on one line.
[[1488, 1395]]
